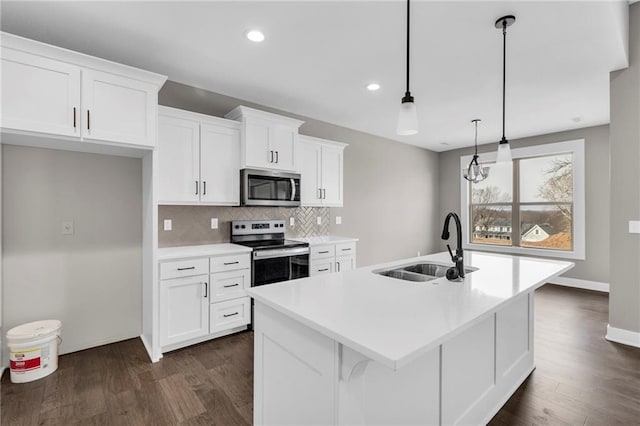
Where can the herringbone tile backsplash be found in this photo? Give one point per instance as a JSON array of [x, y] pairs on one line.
[[192, 224]]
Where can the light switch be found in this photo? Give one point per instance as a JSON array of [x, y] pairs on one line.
[[319, 220], [634, 226], [338, 220], [214, 223], [292, 221], [67, 227], [168, 225]]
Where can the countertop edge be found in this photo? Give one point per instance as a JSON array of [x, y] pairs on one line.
[[186, 252]]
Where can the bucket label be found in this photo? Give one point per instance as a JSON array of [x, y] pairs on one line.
[[25, 360]]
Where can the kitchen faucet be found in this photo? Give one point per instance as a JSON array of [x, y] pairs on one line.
[[458, 269]]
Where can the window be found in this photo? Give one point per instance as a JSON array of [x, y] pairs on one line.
[[533, 205]]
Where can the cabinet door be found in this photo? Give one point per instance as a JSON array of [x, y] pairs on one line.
[[283, 144], [309, 167], [345, 263], [118, 109], [257, 136], [39, 94], [184, 309], [220, 164], [332, 176], [178, 160]]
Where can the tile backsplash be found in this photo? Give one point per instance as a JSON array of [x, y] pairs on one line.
[[191, 225]]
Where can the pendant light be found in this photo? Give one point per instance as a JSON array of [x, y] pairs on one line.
[[408, 115], [476, 172], [504, 151]]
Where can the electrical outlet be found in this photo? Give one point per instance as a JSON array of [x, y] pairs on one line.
[[634, 226], [214, 223], [168, 225], [418, 253], [67, 227], [338, 220], [319, 220], [292, 221]]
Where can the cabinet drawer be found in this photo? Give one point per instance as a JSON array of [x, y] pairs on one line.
[[184, 268], [230, 263], [229, 285], [229, 314], [321, 252], [343, 249], [321, 267]]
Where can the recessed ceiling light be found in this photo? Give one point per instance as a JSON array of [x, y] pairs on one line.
[[255, 36], [373, 86]]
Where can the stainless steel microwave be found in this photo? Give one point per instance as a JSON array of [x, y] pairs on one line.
[[269, 188]]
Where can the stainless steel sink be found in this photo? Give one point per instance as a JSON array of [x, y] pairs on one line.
[[419, 272]]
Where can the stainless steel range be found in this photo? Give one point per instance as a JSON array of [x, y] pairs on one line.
[[274, 258]]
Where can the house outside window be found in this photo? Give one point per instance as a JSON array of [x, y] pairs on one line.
[[534, 205]]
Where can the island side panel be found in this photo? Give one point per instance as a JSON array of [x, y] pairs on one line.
[[295, 372]]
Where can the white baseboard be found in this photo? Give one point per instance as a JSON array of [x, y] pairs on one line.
[[583, 284], [620, 335], [147, 346]]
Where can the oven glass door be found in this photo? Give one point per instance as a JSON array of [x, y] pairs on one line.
[[272, 188], [268, 271]]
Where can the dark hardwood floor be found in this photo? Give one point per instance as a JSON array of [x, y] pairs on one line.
[[580, 378]]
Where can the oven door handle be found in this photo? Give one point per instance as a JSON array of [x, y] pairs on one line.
[[270, 254]]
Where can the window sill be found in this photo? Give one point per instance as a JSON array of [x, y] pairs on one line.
[[574, 255]]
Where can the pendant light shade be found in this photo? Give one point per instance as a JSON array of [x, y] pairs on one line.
[[504, 150], [408, 115], [476, 172]]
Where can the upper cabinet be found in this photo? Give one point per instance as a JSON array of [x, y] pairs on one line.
[[320, 163], [269, 141], [57, 92], [198, 159]]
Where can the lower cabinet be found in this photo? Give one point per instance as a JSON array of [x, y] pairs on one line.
[[332, 257], [205, 305]]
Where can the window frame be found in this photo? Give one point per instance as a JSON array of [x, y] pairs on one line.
[[574, 147]]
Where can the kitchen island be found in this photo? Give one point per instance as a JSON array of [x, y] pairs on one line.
[[361, 348]]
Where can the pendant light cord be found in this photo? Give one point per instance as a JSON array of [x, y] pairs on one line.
[[504, 73], [408, 22]]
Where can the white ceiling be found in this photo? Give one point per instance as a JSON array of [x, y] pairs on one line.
[[318, 57]]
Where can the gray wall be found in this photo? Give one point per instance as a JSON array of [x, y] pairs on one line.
[[390, 189], [624, 299], [90, 280], [595, 267]]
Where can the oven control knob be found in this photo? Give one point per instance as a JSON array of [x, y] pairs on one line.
[[237, 226], [242, 226]]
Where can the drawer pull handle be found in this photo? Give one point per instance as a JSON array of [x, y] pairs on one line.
[[231, 263], [231, 285], [323, 270], [206, 290], [347, 249], [230, 315], [186, 269], [323, 252]]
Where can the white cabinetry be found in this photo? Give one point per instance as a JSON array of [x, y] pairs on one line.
[[203, 298], [269, 141], [198, 159], [321, 167], [332, 257], [56, 92]]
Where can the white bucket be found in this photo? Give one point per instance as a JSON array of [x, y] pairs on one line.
[[33, 350]]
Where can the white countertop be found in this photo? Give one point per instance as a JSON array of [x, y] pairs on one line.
[[395, 321], [328, 239], [222, 249]]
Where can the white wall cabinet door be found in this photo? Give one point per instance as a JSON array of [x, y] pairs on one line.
[[178, 160], [118, 109], [40, 94], [309, 167], [220, 164], [331, 176], [283, 144], [257, 141], [184, 309]]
